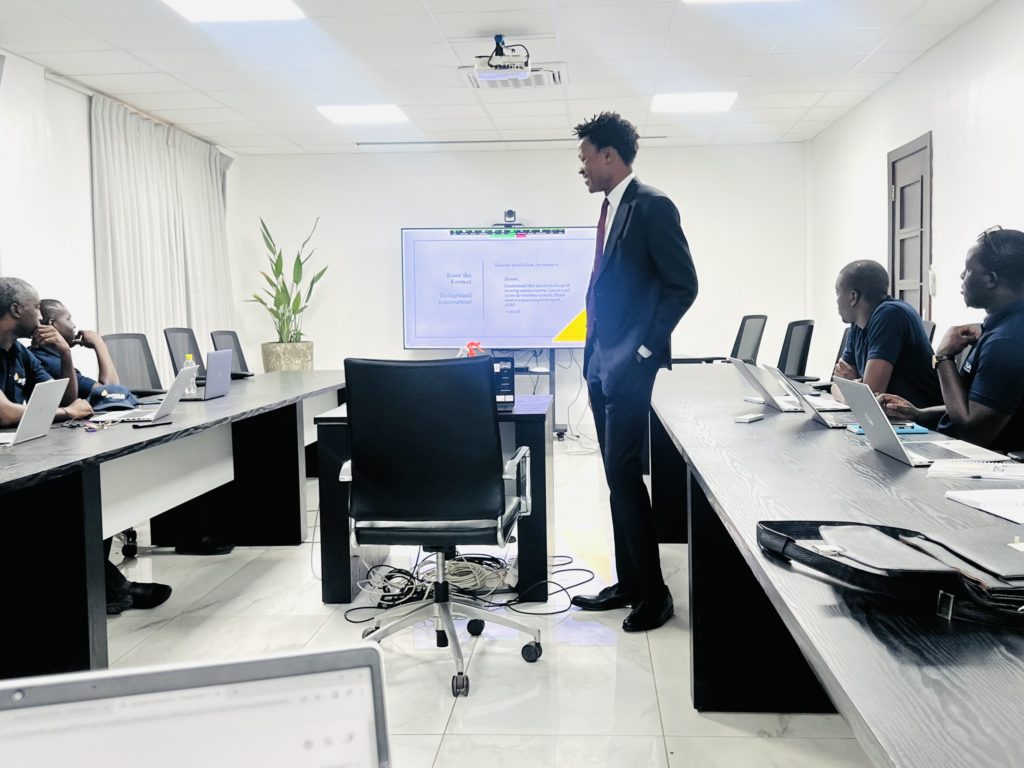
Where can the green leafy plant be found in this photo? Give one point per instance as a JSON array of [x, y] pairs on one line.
[[286, 299]]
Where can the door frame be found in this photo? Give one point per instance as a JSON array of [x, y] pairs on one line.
[[921, 143]]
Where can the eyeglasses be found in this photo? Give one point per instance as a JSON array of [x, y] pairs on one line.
[[986, 237]]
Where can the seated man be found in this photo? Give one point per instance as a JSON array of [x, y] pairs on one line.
[[888, 347], [56, 315], [983, 401]]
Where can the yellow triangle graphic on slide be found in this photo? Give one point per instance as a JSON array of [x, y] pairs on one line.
[[576, 330]]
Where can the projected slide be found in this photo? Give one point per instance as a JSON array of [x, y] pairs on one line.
[[506, 288]]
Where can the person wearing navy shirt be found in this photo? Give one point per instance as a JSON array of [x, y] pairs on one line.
[[983, 401], [887, 347], [55, 314], [20, 371]]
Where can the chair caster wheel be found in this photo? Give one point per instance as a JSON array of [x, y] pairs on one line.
[[368, 631], [475, 627], [532, 652], [442, 639], [460, 685], [129, 550]]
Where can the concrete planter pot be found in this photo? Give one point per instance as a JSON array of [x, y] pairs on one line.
[[290, 356]]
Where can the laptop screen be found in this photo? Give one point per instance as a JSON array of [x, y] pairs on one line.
[[305, 721]]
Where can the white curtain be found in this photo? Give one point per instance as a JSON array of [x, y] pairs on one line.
[[160, 229]]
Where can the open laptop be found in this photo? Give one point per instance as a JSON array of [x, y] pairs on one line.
[[302, 711], [882, 436], [39, 412], [163, 410], [218, 377], [832, 420], [781, 399]]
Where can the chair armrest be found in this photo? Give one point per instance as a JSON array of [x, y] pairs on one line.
[[517, 469], [823, 386], [804, 379], [345, 475], [696, 360]]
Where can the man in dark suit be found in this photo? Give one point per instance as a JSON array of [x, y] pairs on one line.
[[642, 283]]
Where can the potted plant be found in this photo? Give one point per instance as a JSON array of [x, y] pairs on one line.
[[286, 300]]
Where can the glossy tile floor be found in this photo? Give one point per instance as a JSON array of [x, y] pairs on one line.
[[598, 698]]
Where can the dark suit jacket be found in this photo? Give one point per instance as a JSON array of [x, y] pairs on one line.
[[645, 283]]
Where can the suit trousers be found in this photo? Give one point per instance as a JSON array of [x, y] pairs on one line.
[[620, 397]]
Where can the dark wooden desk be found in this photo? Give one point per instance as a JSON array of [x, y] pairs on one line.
[[532, 422], [916, 690], [51, 499]]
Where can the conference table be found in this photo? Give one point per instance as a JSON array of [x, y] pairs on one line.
[[767, 636], [239, 459], [530, 423]]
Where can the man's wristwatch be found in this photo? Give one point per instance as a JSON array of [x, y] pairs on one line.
[[936, 359]]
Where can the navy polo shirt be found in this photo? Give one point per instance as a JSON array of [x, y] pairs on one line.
[[895, 333], [20, 371], [49, 358], [994, 374]]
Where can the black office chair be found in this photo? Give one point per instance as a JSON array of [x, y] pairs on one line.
[[229, 340], [181, 342], [133, 359], [825, 386], [426, 470], [929, 328], [795, 348], [746, 345]]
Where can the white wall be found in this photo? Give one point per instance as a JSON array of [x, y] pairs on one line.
[[742, 209], [46, 195], [969, 91]]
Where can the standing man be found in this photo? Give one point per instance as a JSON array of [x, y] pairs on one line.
[[642, 283]]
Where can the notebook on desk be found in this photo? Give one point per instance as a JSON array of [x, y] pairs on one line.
[[883, 438], [39, 412], [303, 711]]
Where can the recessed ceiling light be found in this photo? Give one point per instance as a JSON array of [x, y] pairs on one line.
[[694, 102], [237, 10], [364, 114]]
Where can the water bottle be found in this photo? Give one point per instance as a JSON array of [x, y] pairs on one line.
[[190, 388]]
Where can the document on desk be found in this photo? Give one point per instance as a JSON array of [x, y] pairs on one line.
[[1007, 503], [969, 469]]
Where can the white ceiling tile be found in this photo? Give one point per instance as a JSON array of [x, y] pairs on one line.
[[306, 138], [482, 6], [402, 96], [542, 48], [360, 7], [636, 116], [502, 109], [39, 36], [891, 62], [104, 10], [695, 130], [810, 63], [153, 82], [856, 40], [445, 111], [711, 66], [535, 146], [308, 126], [179, 100], [92, 63], [610, 89], [514, 122], [810, 126], [175, 60], [412, 77], [545, 134], [854, 13], [455, 124], [703, 83], [916, 38], [613, 20], [231, 128], [799, 136], [783, 83], [382, 30], [842, 99], [780, 115], [829, 114], [301, 111], [228, 81], [248, 140], [487, 24], [305, 58], [612, 47], [778, 100], [862, 81], [760, 138], [25, 10], [167, 33], [290, 150], [692, 19], [463, 135], [276, 98], [674, 141], [623, 69], [332, 149], [948, 11], [723, 42], [409, 55], [376, 133], [198, 116]]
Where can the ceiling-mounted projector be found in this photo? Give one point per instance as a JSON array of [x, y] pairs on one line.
[[506, 62]]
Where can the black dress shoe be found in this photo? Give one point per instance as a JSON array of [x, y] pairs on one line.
[[147, 595], [605, 600], [118, 604], [649, 613], [203, 545]]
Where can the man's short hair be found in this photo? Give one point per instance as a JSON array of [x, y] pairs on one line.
[[14, 290], [866, 277], [1002, 252], [49, 309], [610, 129]]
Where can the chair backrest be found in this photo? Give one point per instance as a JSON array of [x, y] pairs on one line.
[[929, 328], [748, 338], [229, 340], [842, 344], [133, 359], [181, 342], [424, 440], [795, 348]]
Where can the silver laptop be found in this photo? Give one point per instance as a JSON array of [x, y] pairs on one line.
[[882, 436], [218, 377], [778, 401], [829, 419], [162, 411], [301, 711], [39, 412]]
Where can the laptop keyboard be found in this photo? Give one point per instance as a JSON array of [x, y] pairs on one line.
[[931, 450]]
